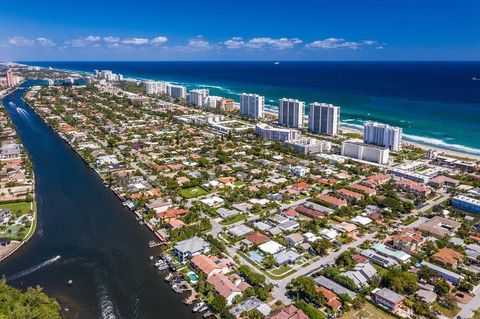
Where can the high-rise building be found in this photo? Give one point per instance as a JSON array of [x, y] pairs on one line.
[[290, 112], [324, 118], [197, 97], [176, 91], [10, 78], [382, 135], [252, 105]]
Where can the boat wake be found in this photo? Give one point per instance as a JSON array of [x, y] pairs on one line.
[[107, 306], [30, 270], [22, 112]]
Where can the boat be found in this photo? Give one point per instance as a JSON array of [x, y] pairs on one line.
[[207, 314], [198, 306], [202, 309], [169, 277], [276, 62], [161, 265], [11, 104], [70, 282], [474, 79]]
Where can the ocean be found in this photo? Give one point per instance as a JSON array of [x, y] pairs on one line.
[[436, 103]]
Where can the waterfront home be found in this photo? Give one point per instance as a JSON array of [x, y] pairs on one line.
[[249, 305], [210, 265], [387, 298], [225, 287], [175, 224], [288, 312], [171, 213], [188, 248]]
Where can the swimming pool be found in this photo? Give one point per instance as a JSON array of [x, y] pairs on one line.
[[193, 276]]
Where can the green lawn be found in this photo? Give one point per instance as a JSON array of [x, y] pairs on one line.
[[18, 231], [411, 220], [233, 219], [193, 192], [281, 270], [368, 311], [18, 209], [450, 313]]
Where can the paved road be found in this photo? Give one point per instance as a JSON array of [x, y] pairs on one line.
[[468, 309], [426, 207], [141, 170], [280, 291]]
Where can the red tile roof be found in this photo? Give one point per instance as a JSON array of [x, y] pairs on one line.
[[288, 312]]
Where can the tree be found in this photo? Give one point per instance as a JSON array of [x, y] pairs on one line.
[[269, 261], [442, 288], [402, 282], [321, 246], [32, 304]]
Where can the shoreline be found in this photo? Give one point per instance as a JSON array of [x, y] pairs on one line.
[[272, 110], [441, 151]]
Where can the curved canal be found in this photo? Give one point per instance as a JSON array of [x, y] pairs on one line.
[[101, 246]]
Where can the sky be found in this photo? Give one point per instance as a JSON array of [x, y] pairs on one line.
[[239, 30]]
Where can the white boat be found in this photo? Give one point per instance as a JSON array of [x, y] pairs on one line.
[[70, 282], [474, 79], [11, 104], [198, 306], [276, 62]]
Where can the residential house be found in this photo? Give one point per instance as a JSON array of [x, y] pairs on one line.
[[188, 248], [288, 312], [448, 257], [210, 265], [225, 287], [388, 298]]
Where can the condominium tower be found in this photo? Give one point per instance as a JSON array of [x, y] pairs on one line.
[[291, 112], [252, 105], [324, 118], [382, 135]]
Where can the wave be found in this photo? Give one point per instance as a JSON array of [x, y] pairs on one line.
[[221, 88], [30, 270], [434, 142]]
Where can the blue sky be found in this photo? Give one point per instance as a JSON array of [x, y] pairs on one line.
[[240, 30]]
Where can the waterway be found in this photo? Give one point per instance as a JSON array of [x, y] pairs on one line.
[[101, 246]]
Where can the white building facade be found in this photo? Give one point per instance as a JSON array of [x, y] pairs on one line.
[[382, 135], [291, 112], [324, 118], [252, 105], [370, 153]]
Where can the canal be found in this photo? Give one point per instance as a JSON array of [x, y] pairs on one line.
[[102, 248]]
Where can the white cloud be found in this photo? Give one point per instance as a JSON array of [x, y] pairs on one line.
[[135, 41], [338, 43], [111, 39], [45, 42], [93, 38], [159, 40], [262, 42], [199, 43], [19, 41]]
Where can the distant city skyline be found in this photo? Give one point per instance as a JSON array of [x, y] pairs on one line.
[[246, 30]]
